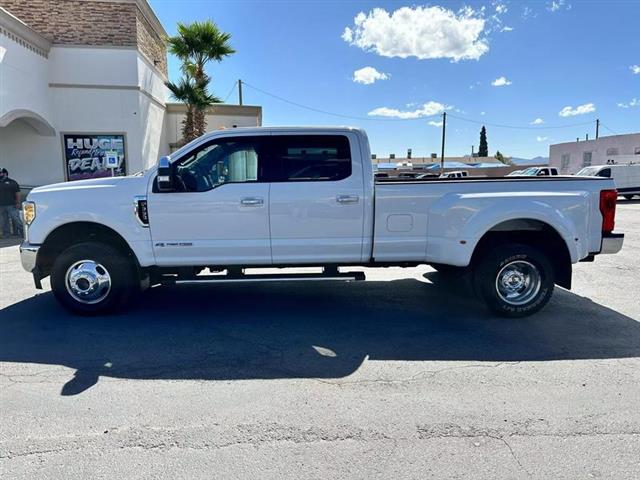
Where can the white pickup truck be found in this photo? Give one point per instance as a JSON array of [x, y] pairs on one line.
[[235, 200]]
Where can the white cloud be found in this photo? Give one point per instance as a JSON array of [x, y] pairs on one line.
[[541, 139], [633, 103], [556, 5], [501, 8], [506, 29], [635, 69], [501, 82], [537, 121], [426, 110], [368, 75], [434, 124], [579, 110], [483, 113], [422, 32]]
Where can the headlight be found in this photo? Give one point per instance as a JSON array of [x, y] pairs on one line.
[[28, 212]]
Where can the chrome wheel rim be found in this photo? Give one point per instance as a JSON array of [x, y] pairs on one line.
[[518, 282], [88, 282]]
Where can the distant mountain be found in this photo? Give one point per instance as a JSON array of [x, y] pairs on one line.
[[530, 161]]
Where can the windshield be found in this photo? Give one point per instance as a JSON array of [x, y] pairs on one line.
[[531, 172], [588, 172]]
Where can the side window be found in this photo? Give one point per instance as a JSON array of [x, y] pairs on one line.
[[605, 172], [230, 160], [309, 158]]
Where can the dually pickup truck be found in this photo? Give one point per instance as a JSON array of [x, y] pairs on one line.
[[236, 200]]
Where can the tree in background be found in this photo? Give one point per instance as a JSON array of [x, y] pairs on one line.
[[483, 149], [501, 158], [196, 44]]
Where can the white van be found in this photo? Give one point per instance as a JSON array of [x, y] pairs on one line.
[[626, 177]]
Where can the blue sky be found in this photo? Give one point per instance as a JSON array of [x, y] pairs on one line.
[[563, 62]]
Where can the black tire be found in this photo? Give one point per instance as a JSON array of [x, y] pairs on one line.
[[120, 270], [519, 257]]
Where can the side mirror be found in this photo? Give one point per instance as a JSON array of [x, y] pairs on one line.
[[165, 180]]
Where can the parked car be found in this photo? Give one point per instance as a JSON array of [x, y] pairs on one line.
[[626, 177], [540, 171], [234, 200], [455, 174], [408, 175]]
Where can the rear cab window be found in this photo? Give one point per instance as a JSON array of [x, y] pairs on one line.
[[310, 158]]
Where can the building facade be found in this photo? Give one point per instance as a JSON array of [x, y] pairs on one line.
[[83, 80], [571, 157]]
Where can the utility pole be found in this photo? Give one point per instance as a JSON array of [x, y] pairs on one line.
[[472, 152], [597, 128], [444, 128], [239, 92]]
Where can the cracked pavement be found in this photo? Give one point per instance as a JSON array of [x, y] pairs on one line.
[[402, 376]]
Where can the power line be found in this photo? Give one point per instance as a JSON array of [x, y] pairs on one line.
[[603, 125], [351, 117], [317, 110], [233, 87], [519, 127]]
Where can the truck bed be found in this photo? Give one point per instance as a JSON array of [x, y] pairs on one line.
[[428, 220]]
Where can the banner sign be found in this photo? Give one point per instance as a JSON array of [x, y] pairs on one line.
[[86, 155]]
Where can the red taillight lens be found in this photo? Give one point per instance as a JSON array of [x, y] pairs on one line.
[[608, 199]]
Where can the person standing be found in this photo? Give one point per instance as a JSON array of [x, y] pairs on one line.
[[9, 204]]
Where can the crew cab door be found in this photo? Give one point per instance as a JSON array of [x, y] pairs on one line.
[[218, 213], [316, 203]]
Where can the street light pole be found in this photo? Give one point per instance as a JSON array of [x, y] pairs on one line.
[[444, 128]]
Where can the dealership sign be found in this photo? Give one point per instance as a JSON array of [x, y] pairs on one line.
[[94, 156]]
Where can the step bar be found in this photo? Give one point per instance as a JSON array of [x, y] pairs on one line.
[[283, 277]]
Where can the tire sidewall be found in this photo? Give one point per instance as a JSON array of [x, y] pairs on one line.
[[118, 265], [495, 261]]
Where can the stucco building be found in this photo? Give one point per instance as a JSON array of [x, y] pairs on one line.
[[570, 157], [80, 80]]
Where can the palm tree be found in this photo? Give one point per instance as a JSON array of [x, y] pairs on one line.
[[195, 96], [197, 44]]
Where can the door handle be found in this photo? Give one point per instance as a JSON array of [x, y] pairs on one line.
[[252, 201], [348, 199]]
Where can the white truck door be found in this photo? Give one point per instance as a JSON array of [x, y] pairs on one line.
[[316, 204], [218, 213]]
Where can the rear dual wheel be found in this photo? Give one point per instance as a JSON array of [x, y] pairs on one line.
[[514, 280]]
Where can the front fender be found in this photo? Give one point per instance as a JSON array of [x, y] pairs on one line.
[[110, 205]]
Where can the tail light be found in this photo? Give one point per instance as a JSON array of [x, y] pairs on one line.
[[608, 199]]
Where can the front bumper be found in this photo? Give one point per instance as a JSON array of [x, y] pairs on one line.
[[612, 242], [29, 256], [29, 259]]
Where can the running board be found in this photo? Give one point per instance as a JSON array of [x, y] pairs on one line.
[[296, 277]]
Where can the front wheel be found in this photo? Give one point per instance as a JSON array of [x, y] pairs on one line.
[[92, 278], [514, 280]]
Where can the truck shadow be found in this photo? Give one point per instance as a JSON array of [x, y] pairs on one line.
[[302, 330]]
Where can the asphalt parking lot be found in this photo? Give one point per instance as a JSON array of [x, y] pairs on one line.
[[401, 376]]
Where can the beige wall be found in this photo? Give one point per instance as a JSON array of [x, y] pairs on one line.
[[218, 116]]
